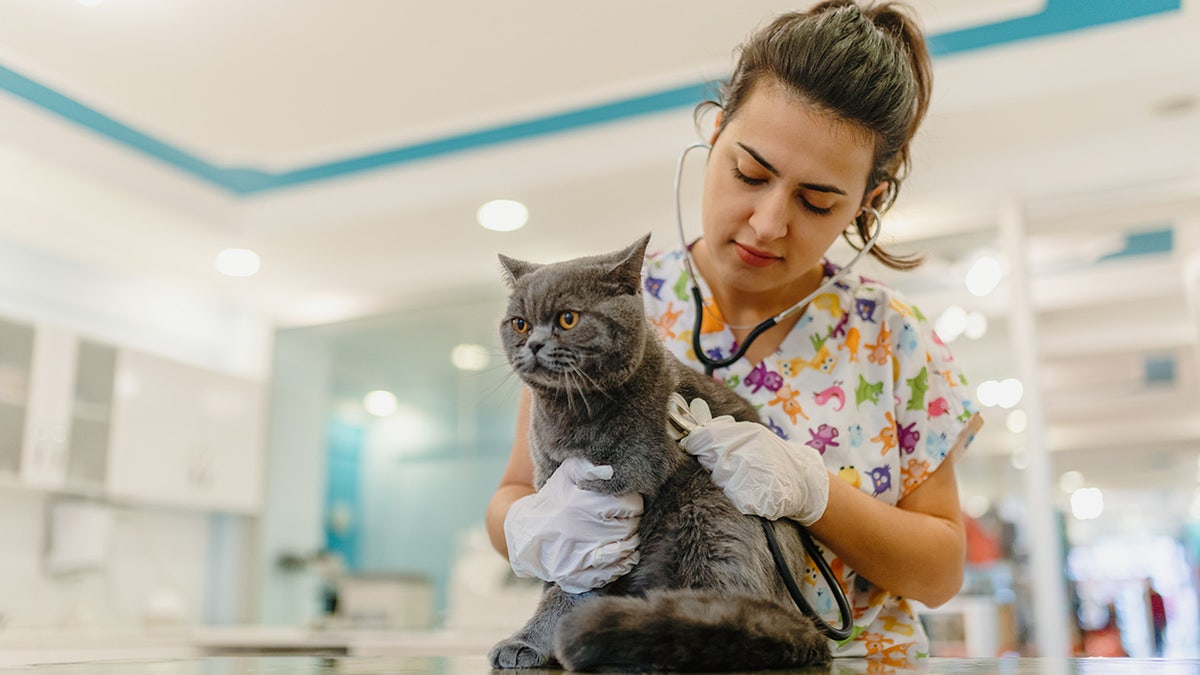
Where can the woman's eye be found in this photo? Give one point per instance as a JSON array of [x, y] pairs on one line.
[[737, 173], [568, 319], [520, 325], [819, 210]]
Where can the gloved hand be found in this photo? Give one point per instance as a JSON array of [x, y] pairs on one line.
[[576, 538], [761, 473]]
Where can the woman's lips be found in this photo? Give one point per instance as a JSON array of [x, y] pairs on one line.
[[754, 257]]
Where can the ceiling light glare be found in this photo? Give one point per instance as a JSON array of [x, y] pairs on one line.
[[1017, 421], [977, 506], [951, 323], [237, 262], [1009, 393], [1019, 459], [984, 276], [502, 215], [470, 357], [1070, 481], [1006, 393], [380, 403], [1087, 503], [987, 393], [977, 325]]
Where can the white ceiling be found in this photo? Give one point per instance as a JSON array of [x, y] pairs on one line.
[[278, 86]]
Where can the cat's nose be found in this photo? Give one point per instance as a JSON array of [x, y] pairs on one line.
[[535, 345]]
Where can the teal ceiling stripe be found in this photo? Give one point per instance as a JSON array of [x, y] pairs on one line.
[[1058, 16], [688, 95], [1151, 242], [76, 112]]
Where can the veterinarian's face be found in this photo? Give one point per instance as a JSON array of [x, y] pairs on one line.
[[782, 182]]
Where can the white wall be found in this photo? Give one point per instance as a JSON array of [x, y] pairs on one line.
[[151, 552]]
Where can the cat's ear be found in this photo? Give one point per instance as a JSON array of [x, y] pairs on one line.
[[515, 269], [627, 270]]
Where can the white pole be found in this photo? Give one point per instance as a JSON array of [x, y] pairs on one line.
[[1050, 615]]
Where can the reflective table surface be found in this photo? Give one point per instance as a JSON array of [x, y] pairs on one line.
[[474, 665]]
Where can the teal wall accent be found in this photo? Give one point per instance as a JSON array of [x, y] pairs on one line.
[[343, 496]]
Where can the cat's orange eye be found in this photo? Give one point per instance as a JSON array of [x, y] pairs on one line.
[[520, 325], [568, 319]]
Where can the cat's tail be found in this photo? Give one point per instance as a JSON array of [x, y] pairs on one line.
[[687, 630]]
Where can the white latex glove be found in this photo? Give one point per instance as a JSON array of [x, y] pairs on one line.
[[576, 538], [762, 474]]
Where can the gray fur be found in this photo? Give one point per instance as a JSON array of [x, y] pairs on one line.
[[705, 594]]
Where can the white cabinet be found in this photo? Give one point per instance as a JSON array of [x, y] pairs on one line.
[[185, 436], [16, 357], [53, 412], [81, 416], [48, 416], [91, 414]]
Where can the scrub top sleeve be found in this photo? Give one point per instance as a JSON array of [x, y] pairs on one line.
[[935, 414]]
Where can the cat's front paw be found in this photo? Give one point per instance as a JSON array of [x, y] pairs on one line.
[[612, 486], [517, 653]]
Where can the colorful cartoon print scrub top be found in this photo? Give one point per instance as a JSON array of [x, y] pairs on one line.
[[864, 380]]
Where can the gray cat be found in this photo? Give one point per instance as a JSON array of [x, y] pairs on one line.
[[705, 595]]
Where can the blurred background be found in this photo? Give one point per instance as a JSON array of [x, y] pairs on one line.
[[251, 396]]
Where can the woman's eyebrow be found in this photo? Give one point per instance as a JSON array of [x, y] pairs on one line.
[[816, 187]]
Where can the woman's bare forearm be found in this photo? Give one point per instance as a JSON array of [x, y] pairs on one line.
[[497, 509], [915, 549]]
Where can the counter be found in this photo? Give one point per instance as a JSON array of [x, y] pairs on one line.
[[188, 644], [477, 664]]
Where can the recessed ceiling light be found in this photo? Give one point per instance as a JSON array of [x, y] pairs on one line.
[[470, 357], [976, 325], [237, 262], [1071, 481], [951, 323], [502, 215], [380, 403], [1005, 394], [984, 276], [1087, 503], [1017, 421]]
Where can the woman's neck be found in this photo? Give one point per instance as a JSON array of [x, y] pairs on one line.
[[742, 310]]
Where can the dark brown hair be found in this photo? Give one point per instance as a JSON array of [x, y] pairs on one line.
[[867, 65]]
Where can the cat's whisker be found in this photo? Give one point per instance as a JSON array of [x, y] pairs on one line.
[[565, 376], [582, 393], [510, 378], [595, 387]]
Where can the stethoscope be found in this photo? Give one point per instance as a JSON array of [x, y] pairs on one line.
[[842, 632], [710, 364]]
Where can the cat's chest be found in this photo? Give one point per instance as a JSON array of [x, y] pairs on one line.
[[554, 438]]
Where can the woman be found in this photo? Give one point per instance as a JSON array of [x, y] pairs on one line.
[[812, 135]]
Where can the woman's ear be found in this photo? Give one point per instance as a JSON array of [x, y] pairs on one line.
[[872, 196], [712, 140]]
